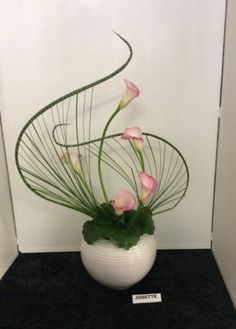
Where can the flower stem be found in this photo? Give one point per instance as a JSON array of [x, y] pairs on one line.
[[100, 154], [87, 188], [141, 161]]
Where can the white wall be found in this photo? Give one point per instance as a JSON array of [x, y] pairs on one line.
[[8, 248], [224, 242], [48, 48]]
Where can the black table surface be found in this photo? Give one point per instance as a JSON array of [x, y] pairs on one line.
[[53, 290]]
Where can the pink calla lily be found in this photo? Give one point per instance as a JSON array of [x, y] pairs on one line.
[[73, 159], [149, 185], [135, 135], [134, 132], [131, 92], [124, 201]]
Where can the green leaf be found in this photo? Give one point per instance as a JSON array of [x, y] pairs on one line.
[[90, 232], [143, 221], [125, 230], [104, 214]]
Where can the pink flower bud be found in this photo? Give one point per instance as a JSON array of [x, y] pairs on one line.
[[131, 92], [124, 201], [135, 135], [149, 184]]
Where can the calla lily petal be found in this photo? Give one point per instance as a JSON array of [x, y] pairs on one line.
[[149, 184], [138, 144], [134, 132], [148, 181], [124, 201], [73, 159], [135, 135], [131, 92]]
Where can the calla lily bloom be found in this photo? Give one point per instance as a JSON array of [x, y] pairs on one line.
[[131, 92], [72, 158], [135, 135], [149, 184], [124, 201]]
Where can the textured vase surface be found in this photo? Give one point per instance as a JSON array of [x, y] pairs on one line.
[[116, 267]]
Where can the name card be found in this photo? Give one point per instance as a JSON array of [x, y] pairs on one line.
[[146, 298]]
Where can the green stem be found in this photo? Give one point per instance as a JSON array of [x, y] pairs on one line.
[[139, 155], [84, 183], [100, 154], [140, 206], [141, 162]]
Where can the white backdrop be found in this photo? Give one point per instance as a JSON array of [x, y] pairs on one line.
[[224, 243], [48, 48], [8, 243]]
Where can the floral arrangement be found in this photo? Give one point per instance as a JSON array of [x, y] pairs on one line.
[[57, 170], [124, 219]]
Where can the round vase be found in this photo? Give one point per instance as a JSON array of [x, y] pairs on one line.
[[116, 267]]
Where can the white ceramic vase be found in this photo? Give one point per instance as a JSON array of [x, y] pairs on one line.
[[116, 267]]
